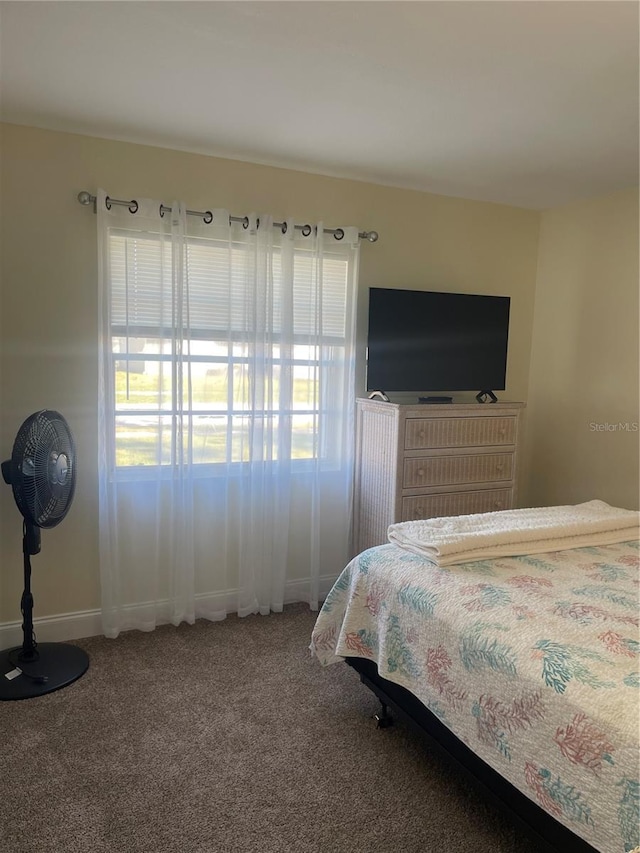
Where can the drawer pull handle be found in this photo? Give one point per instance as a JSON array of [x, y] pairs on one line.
[[499, 467], [498, 504]]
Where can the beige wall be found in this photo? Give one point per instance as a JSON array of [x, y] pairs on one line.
[[584, 365], [49, 311]]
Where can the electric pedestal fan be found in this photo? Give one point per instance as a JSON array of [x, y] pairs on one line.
[[42, 473]]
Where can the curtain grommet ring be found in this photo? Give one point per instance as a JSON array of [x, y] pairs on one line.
[[245, 223], [305, 230], [338, 234], [133, 207], [208, 217], [257, 223], [283, 228], [161, 210], [107, 203]]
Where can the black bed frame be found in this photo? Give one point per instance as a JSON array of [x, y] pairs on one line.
[[549, 835]]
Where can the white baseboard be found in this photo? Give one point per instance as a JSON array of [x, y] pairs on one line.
[[54, 629], [88, 623]]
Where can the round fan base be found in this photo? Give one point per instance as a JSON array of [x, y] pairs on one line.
[[60, 663]]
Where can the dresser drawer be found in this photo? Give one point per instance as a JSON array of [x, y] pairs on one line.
[[456, 503], [451, 470], [426, 433]]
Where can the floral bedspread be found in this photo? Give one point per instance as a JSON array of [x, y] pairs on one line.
[[531, 661]]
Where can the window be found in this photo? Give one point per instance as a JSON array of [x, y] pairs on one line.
[[205, 371]]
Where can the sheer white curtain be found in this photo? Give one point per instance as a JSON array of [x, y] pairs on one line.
[[225, 413]]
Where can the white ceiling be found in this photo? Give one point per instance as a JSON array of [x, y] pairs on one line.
[[526, 103]]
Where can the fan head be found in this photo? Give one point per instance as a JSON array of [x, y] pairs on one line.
[[42, 469]]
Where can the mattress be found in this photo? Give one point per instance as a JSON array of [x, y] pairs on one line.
[[531, 661]]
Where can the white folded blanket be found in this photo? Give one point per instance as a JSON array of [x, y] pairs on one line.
[[483, 536]]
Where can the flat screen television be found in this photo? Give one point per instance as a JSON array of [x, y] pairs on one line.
[[426, 341]]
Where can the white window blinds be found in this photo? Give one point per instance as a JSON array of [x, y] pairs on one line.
[[218, 298]]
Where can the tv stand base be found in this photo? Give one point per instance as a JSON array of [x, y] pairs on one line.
[[483, 396]]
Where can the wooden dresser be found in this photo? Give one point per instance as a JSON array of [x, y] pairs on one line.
[[426, 460]]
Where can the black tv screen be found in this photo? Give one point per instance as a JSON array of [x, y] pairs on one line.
[[426, 341]]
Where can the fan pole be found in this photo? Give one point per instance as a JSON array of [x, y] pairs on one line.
[[30, 545], [28, 652]]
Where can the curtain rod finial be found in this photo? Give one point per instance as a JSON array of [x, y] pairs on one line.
[[372, 236], [85, 198]]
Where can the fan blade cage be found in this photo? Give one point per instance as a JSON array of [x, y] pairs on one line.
[[44, 468]]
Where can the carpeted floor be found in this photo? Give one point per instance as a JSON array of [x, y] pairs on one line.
[[227, 737]]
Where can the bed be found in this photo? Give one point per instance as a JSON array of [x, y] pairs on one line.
[[524, 667]]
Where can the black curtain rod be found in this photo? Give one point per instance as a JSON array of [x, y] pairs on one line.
[[86, 198]]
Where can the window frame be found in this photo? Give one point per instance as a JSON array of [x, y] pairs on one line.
[[227, 338]]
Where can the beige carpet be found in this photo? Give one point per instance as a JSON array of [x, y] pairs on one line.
[[225, 737]]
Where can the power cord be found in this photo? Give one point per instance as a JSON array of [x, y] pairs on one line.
[[14, 659]]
